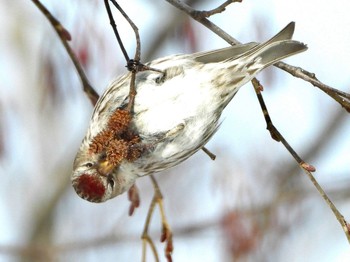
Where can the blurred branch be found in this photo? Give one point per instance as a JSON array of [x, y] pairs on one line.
[[188, 231], [64, 36]]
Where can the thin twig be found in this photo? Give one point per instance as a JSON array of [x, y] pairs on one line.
[[204, 21], [210, 154], [116, 33], [65, 37], [341, 97], [146, 239], [137, 56], [335, 211], [135, 65], [166, 231], [221, 8], [275, 134]]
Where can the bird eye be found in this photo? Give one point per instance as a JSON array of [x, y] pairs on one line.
[[89, 165], [111, 182]]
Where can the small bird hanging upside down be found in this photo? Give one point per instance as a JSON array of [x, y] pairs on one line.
[[176, 111]]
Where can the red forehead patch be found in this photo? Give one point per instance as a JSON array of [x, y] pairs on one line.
[[90, 187]]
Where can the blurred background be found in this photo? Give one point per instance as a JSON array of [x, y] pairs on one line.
[[252, 203]]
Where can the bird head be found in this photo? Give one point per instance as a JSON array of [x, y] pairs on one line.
[[97, 180]]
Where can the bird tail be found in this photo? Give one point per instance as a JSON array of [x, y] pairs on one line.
[[261, 55]]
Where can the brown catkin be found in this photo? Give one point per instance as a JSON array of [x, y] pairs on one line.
[[100, 141], [119, 121], [117, 151], [117, 141]]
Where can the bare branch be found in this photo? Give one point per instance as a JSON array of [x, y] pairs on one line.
[[221, 8], [210, 154], [303, 165], [116, 33], [275, 134], [64, 36], [134, 28], [166, 231], [341, 97], [204, 21]]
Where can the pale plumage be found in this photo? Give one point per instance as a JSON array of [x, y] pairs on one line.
[[175, 113]]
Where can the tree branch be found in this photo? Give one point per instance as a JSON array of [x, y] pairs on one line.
[[221, 8], [64, 36]]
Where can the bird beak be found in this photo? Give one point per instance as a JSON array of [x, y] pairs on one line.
[[105, 167]]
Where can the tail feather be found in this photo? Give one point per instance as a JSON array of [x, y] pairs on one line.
[[219, 55], [278, 47], [285, 34], [274, 52]]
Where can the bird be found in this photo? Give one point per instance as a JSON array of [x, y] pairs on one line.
[[176, 111]]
